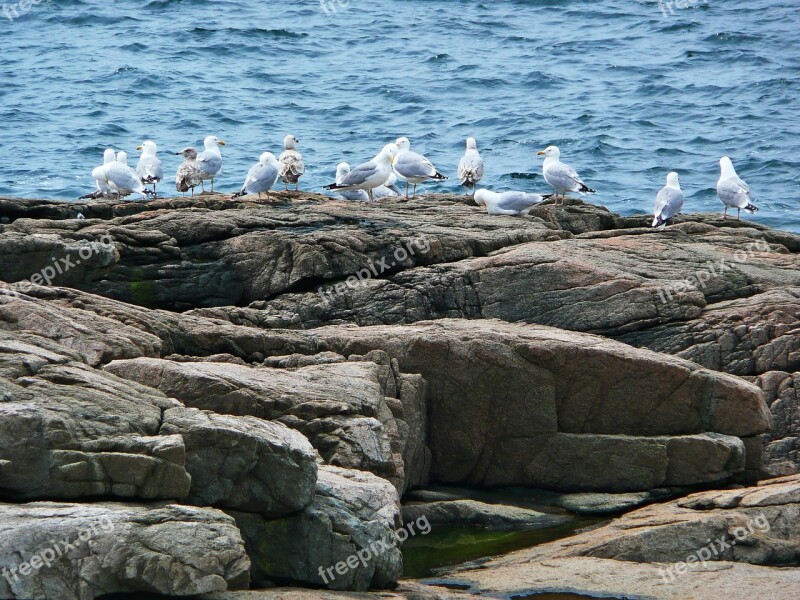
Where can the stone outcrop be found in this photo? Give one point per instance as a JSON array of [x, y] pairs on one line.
[[82, 551], [782, 446], [345, 540], [466, 512]]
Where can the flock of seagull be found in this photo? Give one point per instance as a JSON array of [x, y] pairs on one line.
[[378, 177]]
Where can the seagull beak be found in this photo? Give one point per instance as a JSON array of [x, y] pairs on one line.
[[221, 143], [138, 147], [540, 153]]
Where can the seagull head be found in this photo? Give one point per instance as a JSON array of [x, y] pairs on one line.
[[480, 197], [550, 152], [290, 142], [403, 144], [472, 144], [148, 148], [212, 141], [342, 169], [189, 153], [267, 158], [109, 156], [122, 157], [390, 152], [672, 180], [726, 167]]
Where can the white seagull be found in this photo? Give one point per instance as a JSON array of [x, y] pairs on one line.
[[561, 176], [292, 165], [149, 168], [470, 167], [412, 167], [210, 160], [188, 175], [99, 174], [122, 179], [261, 176], [669, 201], [733, 192], [370, 175], [508, 203]]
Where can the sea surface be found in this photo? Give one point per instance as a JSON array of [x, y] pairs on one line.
[[629, 89]]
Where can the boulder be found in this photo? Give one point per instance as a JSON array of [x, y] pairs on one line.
[[463, 513], [782, 446], [83, 551], [345, 540]]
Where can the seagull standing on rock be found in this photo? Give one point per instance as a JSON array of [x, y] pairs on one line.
[[669, 201], [210, 160], [370, 175], [733, 192], [149, 168], [292, 165], [470, 167], [561, 176], [261, 176], [342, 170], [124, 180], [508, 203], [412, 167], [99, 175], [189, 175]]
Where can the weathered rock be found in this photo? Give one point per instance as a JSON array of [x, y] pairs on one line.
[[243, 462], [480, 514], [353, 512], [747, 336], [82, 551], [638, 554], [406, 590], [356, 414], [782, 446], [609, 504]]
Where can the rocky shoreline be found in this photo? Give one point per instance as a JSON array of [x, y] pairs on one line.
[[251, 393]]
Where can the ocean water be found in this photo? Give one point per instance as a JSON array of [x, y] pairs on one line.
[[629, 89]]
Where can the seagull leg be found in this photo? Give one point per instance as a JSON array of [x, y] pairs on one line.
[[725, 213], [738, 214], [415, 191], [369, 193], [296, 186], [202, 187], [212, 185], [406, 190]]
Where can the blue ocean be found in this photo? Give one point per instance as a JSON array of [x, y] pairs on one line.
[[628, 89]]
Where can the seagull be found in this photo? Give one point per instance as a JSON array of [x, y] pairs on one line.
[[669, 201], [99, 175], [261, 176], [210, 160], [508, 203], [292, 165], [388, 189], [412, 167], [342, 170], [188, 175], [733, 192], [370, 175], [149, 168], [124, 180], [561, 176], [470, 167]]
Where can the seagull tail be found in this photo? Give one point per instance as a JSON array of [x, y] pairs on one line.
[[239, 194], [657, 222], [439, 176], [333, 186], [585, 189], [751, 208], [91, 196]]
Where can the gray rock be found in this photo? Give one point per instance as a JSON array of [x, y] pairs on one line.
[[353, 512], [103, 548], [243, 462], [462, 513], [782, 446]]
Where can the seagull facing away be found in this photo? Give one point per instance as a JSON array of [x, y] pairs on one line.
[[561, 176], [261, 176], [122, 179], [733, 192], [508, 203], [188, 175], [412, 167], [149, 168], [342, 170], [99, 174], [210, 160], [292, 165], [370, 175], [669, 201], [470, 167]]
